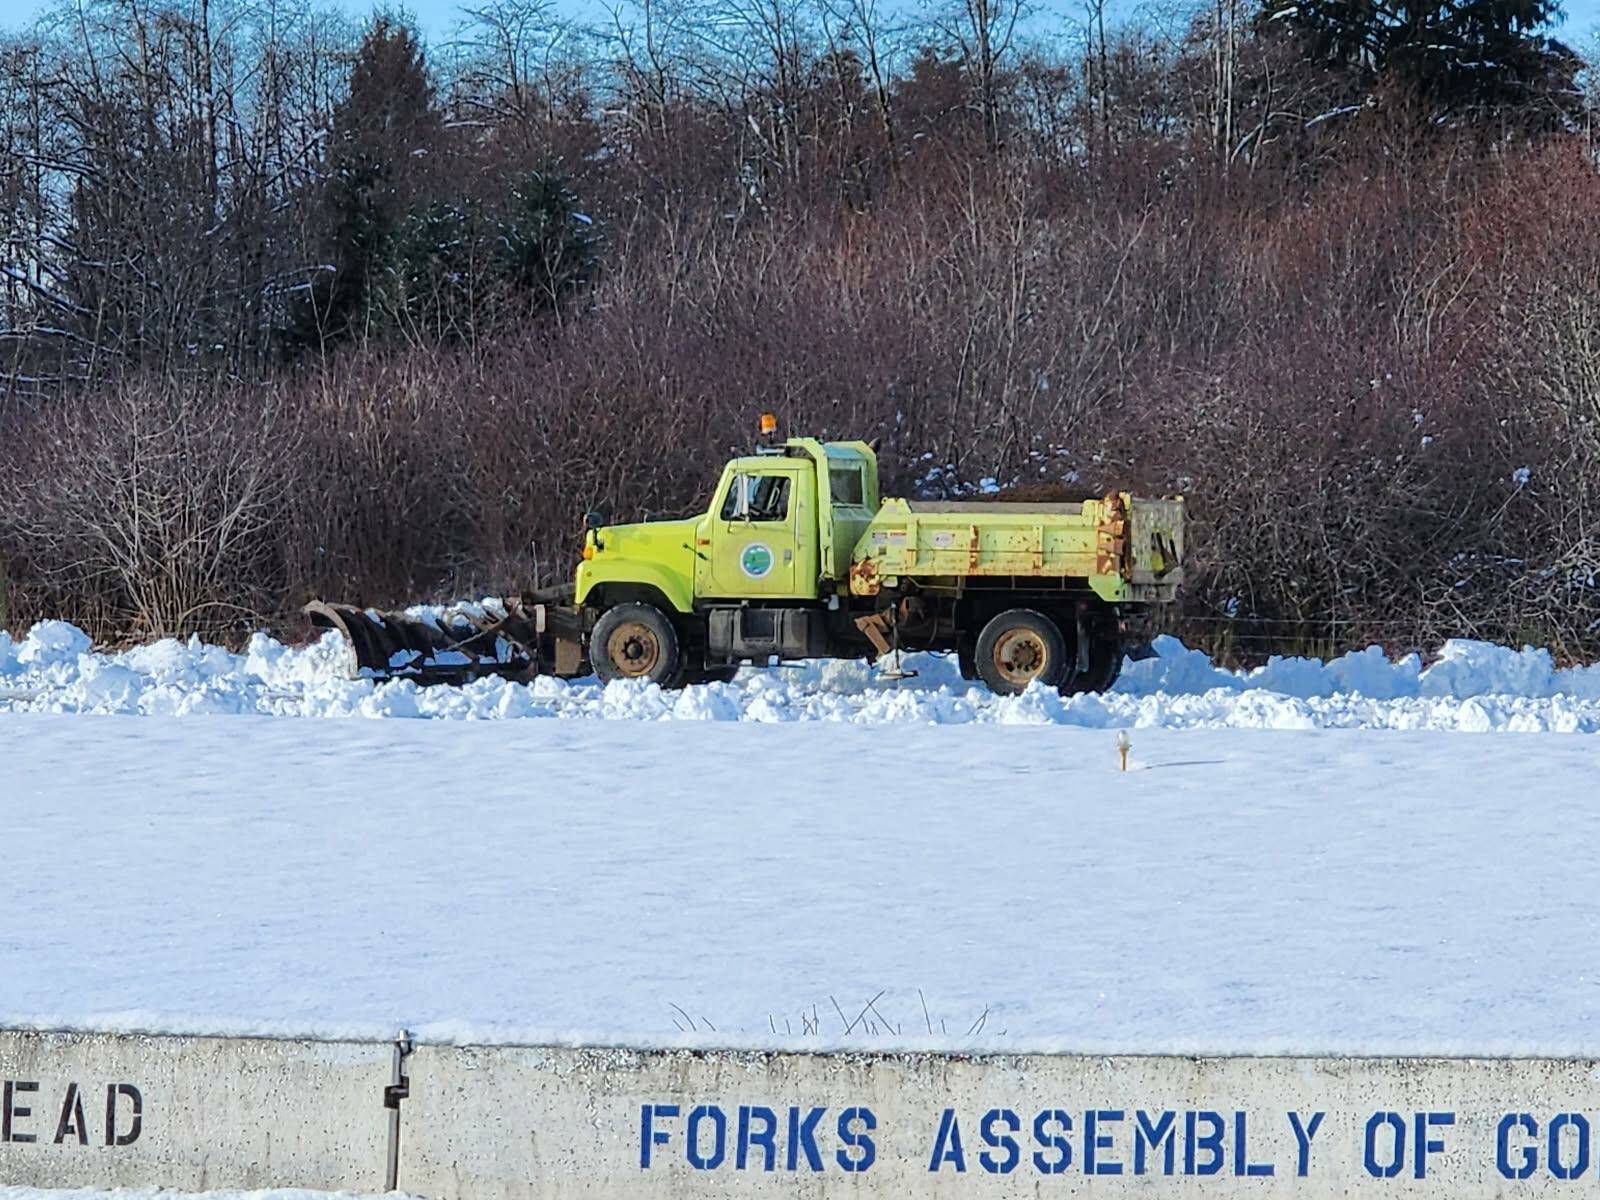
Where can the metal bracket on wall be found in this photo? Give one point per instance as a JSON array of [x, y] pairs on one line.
[[399, 1089]]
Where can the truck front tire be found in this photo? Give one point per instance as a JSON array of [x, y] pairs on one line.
[[1018, 647], [635, 641]]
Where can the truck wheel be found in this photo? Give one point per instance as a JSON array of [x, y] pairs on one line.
[[966, 663], [634, 641], [1105, 664], [721, 673], [1018, 647]]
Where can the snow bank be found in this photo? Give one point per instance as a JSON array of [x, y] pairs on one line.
[[1472, 686]]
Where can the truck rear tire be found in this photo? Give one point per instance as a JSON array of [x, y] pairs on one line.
[[721, 673], [966, 662], [1018, 647], [635, 641], [1105, 664]]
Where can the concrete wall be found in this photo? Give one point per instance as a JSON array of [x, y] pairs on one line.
[[97, 1110], [521, 1124], [542, 1123]]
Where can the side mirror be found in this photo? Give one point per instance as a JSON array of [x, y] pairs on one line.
[[594, 518]]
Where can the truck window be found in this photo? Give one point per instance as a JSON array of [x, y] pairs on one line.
[[844, 485], [757, 498]]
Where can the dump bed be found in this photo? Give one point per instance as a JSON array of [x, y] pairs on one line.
[[1124, 547]]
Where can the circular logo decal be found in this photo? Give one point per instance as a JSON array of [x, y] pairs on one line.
[[756, 560]]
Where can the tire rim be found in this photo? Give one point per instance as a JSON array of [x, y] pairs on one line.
[[1020, 656], [633, 649]]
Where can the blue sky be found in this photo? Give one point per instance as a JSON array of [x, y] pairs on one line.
[[438, 16]]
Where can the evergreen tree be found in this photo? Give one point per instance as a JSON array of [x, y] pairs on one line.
[[1483, 55], [432, 287], [380, 167], [547, 246]]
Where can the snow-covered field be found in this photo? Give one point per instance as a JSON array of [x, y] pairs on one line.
[[1305, 857], [811, 858], [1472, 686]]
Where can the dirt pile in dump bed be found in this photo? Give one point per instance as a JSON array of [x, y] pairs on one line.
[[1038, 493]]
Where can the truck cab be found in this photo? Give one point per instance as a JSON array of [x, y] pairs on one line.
[[782, 525]]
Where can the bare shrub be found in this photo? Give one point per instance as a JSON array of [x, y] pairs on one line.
[[149, 507]]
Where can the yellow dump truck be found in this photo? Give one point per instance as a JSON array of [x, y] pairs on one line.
[[798, 557]]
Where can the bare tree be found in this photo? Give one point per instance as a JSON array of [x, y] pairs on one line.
[[985, 32], [516, 60], [861, 27]]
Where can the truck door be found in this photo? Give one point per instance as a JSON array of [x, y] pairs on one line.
[[760, 535]]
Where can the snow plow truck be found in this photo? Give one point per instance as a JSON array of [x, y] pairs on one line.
[[798, 557]]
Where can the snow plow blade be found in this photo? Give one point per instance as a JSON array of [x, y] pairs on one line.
[[518, 641]]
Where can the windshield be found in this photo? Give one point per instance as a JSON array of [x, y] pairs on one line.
[[757, 498]]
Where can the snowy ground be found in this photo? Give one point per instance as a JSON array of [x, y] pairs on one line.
[[1236, 890]]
